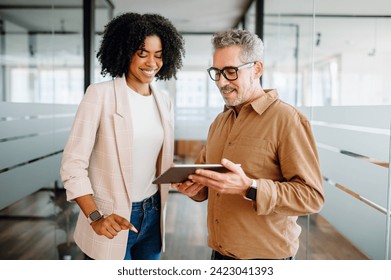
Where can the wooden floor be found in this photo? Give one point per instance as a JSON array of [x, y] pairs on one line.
[[33, 228]]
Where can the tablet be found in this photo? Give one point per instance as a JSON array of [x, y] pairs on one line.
[[179, 172]]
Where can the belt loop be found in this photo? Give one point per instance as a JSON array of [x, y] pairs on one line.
[[153, 199], [144, 203]]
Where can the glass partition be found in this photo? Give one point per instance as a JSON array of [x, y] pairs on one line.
[[351, 119], [331, 60], [41, 84], [351, 58], [41, 52]]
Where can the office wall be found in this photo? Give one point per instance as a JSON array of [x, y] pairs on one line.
[[331, 59], [353, 144], [41, 84], [41, 73], [32, 139]]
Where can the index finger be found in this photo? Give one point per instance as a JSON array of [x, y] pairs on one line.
[[206, 173], [125, 224], [133, 228], [231, 165]]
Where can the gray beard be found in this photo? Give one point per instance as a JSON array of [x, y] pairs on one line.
[[236, 102]]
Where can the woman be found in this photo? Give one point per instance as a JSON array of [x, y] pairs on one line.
[[121, 139]]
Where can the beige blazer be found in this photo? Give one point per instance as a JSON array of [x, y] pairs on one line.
[[97, 160]]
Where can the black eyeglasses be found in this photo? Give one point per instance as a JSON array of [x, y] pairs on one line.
[[229, 72]]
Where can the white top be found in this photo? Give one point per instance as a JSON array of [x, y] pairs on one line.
[[147, 142]]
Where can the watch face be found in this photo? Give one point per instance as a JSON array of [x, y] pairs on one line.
[[94, 216], [252, 193]]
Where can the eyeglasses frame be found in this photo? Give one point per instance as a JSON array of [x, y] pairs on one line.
[[222, 71]]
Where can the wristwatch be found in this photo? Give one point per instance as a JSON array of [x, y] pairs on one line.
[[251, 193], [94, 216]]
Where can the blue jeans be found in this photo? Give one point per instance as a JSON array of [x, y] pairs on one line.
[[147, 243]]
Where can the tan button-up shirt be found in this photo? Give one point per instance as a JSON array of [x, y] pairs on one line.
[[274, 144]]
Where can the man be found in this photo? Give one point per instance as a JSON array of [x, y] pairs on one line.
[[269, 148]]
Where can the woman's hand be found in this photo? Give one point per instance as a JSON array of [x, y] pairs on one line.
[[111, 225]]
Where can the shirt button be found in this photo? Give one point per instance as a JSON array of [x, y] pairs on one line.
[[218, 194], [216, 221]]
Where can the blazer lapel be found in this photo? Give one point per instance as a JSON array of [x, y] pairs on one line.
[[166, 154], [167, 118], [123, 130]]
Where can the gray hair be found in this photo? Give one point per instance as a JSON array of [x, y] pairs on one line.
[[251, 44]]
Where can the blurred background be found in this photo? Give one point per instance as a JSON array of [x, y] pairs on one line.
[[329, 58]]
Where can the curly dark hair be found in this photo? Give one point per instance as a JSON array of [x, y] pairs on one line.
[[124, 35]]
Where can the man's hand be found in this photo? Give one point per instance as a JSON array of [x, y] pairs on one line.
[[189, 188], [111, 225], [233, 182]]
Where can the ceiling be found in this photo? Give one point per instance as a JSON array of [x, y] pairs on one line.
[[198, 19], [190, 16]]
